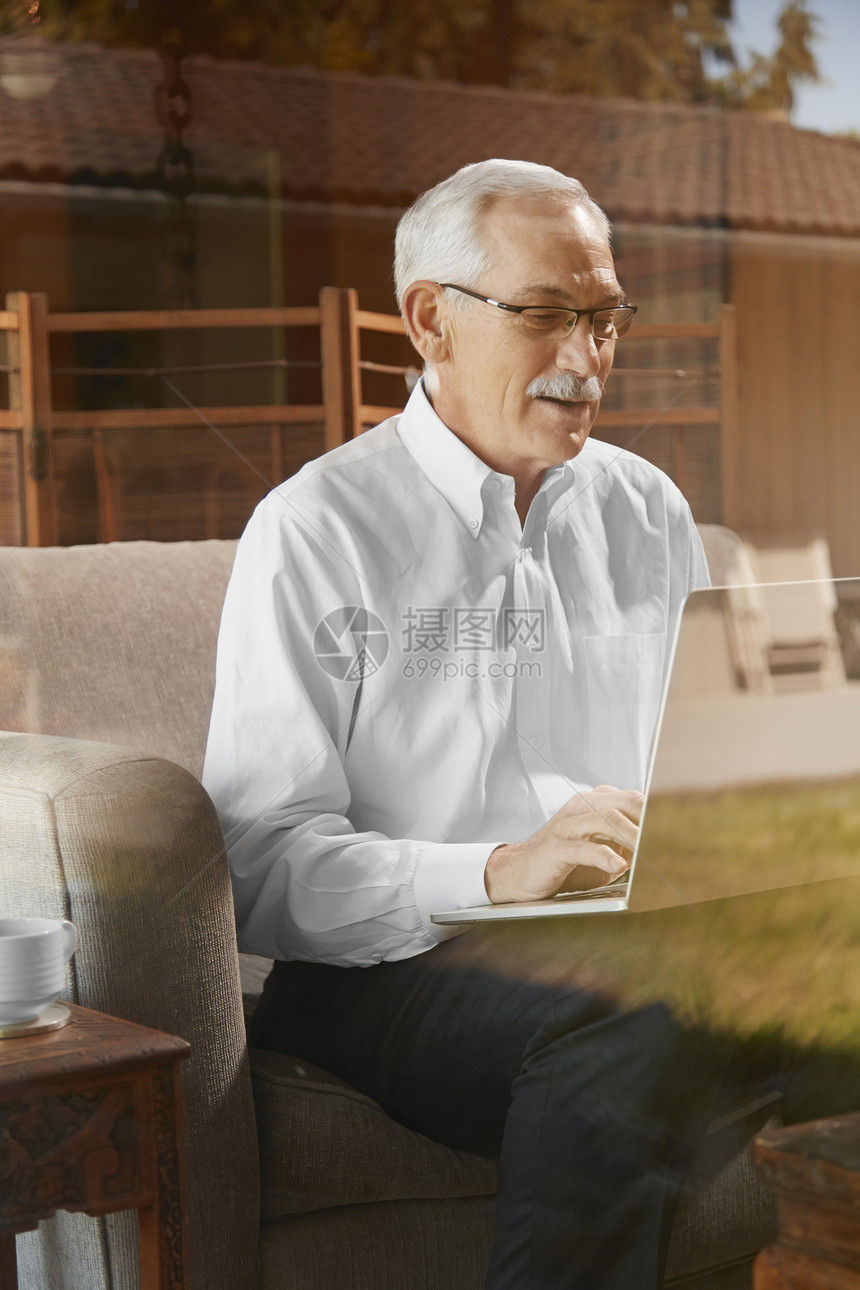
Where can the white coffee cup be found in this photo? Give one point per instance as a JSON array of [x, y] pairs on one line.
[[33, 956]]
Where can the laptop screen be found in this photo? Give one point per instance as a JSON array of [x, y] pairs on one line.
[[755, 775]]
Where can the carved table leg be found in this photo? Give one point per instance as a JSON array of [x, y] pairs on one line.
[[163, 1227], [8, 1262]]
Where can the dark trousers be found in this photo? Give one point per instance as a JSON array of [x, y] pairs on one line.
[[594, 1111]]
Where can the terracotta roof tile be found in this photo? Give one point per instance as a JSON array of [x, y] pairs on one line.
[[359, 139]]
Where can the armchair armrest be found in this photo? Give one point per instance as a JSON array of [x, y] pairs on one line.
[[129, 847]]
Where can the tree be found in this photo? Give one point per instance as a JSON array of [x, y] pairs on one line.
[[657, 50], [671, 50], [768, 83]]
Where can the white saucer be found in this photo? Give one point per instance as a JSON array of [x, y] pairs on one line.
[[51, 1019]]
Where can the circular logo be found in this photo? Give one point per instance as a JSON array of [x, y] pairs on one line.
[[350, 643]]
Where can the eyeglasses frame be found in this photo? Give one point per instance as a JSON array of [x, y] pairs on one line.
[[561, 309]]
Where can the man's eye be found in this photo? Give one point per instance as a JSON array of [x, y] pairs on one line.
[[544, 321], [604, 326]]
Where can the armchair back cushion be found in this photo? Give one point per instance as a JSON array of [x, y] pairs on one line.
[[113, 642]]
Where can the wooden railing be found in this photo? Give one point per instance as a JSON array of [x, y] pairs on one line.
[[30, 326], [721, 418], [29, 478]]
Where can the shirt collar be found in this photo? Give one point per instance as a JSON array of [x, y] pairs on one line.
[[452, 468]]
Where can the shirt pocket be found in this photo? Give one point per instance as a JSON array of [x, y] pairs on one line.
[[624, 679]]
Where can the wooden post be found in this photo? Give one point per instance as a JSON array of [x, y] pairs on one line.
[[729, 427], [43, 405], [17, 304], [13, 528], [276, 270], [30, 394], [352, 352], [107, 526], [679, 454], [24, 399], [339, 343], [276, 447], [331, 352]]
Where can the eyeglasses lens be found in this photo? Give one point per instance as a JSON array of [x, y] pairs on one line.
[[556, 324]]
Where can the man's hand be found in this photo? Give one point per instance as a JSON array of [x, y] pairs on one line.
[[589, 833]]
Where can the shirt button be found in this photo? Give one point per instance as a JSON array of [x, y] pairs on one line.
[[535, 743], [377, 958], [521, 555], [473, 524]]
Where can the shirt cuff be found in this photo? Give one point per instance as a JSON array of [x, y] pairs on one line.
[[450, 875]]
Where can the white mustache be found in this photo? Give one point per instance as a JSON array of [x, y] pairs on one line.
[[566, 386]]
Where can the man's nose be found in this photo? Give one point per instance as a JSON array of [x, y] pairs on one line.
[[577, 353]]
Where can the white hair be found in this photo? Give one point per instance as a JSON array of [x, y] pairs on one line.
[[438, 237]]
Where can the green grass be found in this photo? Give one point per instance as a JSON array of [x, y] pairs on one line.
[[748, 839], [777, 970]]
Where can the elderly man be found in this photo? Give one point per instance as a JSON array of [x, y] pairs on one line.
[[439, 669]]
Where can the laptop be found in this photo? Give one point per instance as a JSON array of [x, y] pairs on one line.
[[754, 776]]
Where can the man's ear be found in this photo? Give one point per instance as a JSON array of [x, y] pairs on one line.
[[427, 320]]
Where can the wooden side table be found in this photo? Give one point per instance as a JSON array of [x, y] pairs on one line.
[[91, 1120], [815, 1171]]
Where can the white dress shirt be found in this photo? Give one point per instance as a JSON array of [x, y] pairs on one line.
[[406, 677]]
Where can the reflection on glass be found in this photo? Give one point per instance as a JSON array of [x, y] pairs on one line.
[[755, 783]]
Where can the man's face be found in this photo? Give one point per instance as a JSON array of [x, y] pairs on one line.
[[542, 252]]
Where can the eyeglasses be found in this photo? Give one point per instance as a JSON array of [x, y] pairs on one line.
[[556, 323]]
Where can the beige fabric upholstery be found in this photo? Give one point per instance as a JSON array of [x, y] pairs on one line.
[[130, 849], [397, 1245], [724, 1213], [113, 642], [445, 1244], [325, 1145]]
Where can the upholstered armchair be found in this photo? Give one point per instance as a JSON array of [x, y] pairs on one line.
[[296, 1181]]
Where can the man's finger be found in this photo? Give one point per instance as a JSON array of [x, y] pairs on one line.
[[593, 854], [629, 804], [603, 857], [614, 827]]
